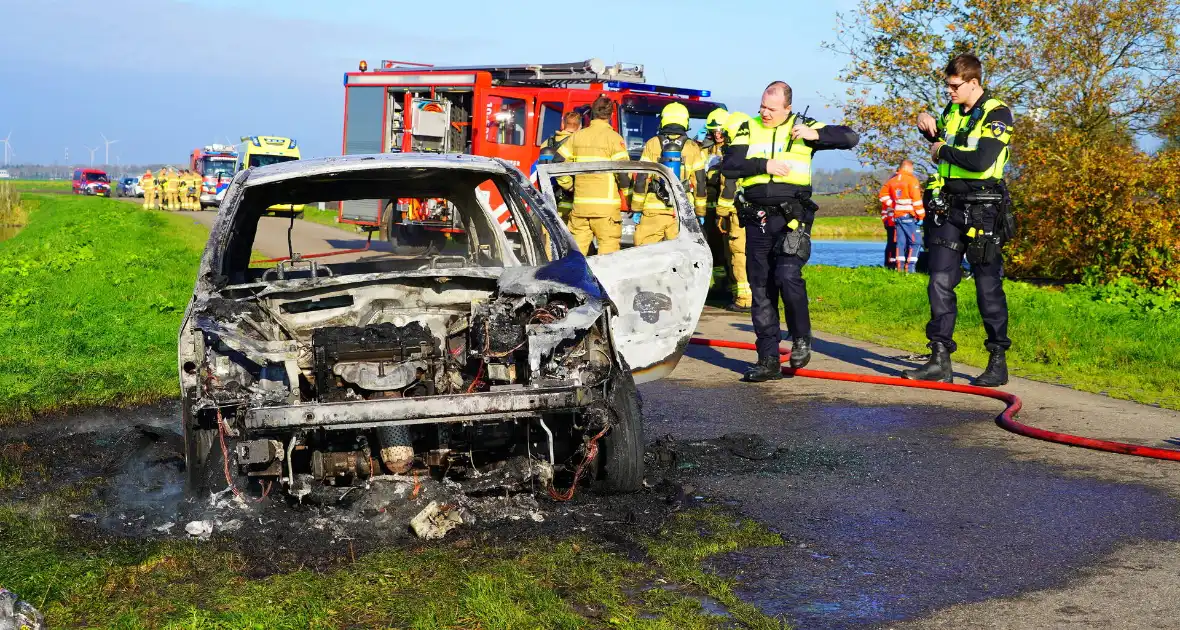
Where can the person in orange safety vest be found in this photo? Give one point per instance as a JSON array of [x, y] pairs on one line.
[[901, 200]]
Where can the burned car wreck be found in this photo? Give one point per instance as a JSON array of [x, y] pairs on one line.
[[503, 342]]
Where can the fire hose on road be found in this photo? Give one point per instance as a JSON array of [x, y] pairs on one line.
[[1005, 419]]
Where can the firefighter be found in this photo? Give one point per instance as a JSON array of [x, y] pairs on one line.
[[194, 191], [148, 183], [712, 146], [772, 157], [162, 188], [727, 223], [901, 200], [182, 184], [599, 198], [172, 187], [673, 148], [570, 123], [972, 217]]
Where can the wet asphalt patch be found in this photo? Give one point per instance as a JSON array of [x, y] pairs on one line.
[[894, 520]]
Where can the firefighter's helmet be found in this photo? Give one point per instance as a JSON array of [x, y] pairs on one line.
[[674, 114], [733, 121], [716, 119]]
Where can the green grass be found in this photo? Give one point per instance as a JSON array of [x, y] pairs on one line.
[[542, 583], [861, 228], [1061, 336], [91, 295], [35, 185]]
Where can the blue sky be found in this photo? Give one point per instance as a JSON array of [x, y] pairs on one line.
[[164, 76]]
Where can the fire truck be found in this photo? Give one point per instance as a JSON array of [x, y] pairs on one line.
[[216, 163], [496, 111]]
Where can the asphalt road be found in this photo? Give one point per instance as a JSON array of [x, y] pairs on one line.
[[920, 512], [907, 508], [306, 238]]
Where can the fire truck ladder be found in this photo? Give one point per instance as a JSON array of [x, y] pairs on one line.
[[549, 74]]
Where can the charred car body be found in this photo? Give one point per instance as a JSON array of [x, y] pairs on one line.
[[507, 343]]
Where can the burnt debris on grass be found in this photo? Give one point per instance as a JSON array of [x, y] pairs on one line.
[[101, 498]]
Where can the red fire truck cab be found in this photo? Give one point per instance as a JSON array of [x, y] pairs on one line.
[[494, 111]]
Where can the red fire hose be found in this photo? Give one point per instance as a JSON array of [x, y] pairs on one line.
[[1005, 419]]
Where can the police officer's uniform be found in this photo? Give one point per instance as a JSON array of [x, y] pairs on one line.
[[777, 213], [974, 222]]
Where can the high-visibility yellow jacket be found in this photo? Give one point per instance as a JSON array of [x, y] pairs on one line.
[[692, 175], [595, 194]]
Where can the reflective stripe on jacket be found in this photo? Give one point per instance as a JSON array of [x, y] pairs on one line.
[[902, 195], [595, 194]]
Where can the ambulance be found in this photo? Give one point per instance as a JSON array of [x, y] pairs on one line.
[[264, 151]]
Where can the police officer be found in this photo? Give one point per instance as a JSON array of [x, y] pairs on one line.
[[673, 148], [970, 145], [570, 123], [772, 157], [599, 198]]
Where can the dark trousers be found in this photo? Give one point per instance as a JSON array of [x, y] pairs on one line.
[[773, 274], [946, 271], [890, 247]]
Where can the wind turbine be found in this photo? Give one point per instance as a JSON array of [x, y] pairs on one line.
[[7, 147], [91, 150], [107, 161]]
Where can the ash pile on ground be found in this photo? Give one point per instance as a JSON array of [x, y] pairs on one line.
[[128, 469]]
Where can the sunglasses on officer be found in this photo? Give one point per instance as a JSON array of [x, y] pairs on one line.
[[954, 85]]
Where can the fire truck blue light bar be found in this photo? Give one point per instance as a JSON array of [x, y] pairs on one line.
[[659, 89]]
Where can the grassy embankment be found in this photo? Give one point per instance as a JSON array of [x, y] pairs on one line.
[[1064, 336], [843, 217], [848, 228], [40, 185], [91, 294]]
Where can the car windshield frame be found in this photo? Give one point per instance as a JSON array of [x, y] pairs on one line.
[[242, 212], [98, 177]]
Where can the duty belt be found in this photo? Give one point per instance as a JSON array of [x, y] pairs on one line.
[[980, 196]]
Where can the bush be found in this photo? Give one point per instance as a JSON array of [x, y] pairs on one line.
[[1094, 209]]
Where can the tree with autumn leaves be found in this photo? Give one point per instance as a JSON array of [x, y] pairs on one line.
[[1086, 78]]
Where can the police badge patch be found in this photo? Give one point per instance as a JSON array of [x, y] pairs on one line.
[[997, 128]]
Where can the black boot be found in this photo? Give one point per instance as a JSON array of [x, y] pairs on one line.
[[938, 368], [800, 352], [996, 373], [766, 369]]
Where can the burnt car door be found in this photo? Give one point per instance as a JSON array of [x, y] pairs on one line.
[[658, 289]]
